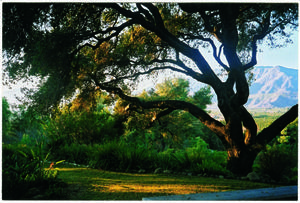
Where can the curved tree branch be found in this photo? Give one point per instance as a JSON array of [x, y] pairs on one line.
[[100, 41], [160, 115], [216, 56], [145, 12], [136, 75], [250, 125], [188, 71], [158, 20], [266, 29], [200, 114], [264, 32], [173, 41], [136, 104], [267, 134]]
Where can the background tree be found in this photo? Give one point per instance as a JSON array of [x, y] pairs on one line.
[[86, 120], [104, 46], [7, 133], [156, 128]]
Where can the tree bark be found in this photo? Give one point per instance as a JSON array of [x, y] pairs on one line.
[[241, 157]]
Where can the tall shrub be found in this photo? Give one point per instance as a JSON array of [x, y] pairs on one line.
[[119, 156], [80, 127], [24, 168], [205, 160], [280, 160]]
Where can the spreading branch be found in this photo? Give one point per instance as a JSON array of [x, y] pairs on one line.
[[160, 115], [211, 42], [250, 125], [136, 104], [265, 30], [159, 29], [187, 71], [136, 75], [116, 32], [267, 134]]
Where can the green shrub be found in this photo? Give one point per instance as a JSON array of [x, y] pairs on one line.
[[80, 127], [166, 160], [197, 158], [118, 156], [183, 161], [24, 168], [121, 156], [105, 156], [75, 153], [134, 158], [200, 159], [279, 162]]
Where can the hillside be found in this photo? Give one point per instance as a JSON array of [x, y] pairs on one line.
[[273, 87]]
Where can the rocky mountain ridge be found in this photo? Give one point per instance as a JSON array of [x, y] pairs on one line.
[[274, 87]]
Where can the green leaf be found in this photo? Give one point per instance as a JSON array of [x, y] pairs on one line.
[[24, 154], [59, 162]]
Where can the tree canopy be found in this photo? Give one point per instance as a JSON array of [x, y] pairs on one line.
[[90, 47]]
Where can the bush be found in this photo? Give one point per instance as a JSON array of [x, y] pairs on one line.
[[204, 160], [118, 156], [279, 162], [121, 156], [76, 153], [80, 128], [166, 160], [197, 158], [24, 168]]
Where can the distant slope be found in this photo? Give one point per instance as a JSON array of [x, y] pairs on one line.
[[274, 87]]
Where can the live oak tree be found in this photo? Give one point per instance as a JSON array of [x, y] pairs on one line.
[[108, 46]]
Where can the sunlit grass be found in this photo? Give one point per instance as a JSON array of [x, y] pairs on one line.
[[91, 184], [155, 188]]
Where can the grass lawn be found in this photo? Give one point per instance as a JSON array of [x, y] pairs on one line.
[[92, 184]]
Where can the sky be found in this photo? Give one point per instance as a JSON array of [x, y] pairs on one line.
[[286, 57]]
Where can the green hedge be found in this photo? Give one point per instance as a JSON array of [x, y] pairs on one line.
[[121, 156]]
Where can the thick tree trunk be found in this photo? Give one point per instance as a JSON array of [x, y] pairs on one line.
[[240, 160], [242, 155]]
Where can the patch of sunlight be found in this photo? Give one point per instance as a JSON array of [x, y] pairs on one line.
[[157, 188], [139, 175], [71, 169], [136, 179], [130, 174]]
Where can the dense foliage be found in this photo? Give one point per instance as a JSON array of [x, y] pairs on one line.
[[6, 121], [97, 47], [24, 176], [280, 159], [159, 130], [26, 173]]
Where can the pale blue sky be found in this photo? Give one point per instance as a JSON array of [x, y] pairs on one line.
[[287, 56]]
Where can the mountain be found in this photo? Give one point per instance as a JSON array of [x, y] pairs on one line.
[[274, 86]]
